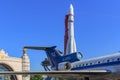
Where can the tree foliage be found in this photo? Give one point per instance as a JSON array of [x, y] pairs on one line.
[[36, 77]]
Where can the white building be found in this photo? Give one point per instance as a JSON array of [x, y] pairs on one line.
[[8, 63]]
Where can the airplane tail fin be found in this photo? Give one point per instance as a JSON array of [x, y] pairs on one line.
[[52, 53]]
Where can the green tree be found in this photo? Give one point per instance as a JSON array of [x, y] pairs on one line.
[[36, 77]]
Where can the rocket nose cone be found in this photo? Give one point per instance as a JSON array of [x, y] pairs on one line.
[[71, 9], [71, 6]]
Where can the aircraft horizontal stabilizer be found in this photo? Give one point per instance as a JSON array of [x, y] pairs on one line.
[[38, 48]]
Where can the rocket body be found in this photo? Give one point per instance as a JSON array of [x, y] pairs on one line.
[[71, 44]]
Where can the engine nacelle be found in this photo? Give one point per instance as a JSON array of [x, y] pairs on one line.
[[64, 66]]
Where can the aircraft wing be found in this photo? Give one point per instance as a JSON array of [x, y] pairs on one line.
[[58, 73], [64, 74]]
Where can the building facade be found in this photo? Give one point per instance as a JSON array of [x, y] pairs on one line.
[[8, 63]]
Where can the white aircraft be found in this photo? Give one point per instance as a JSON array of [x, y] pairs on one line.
[[70, 66]]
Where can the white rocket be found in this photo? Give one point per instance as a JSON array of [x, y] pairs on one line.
[[69, 33]]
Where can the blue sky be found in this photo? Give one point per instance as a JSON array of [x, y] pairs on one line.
[[41, 23]]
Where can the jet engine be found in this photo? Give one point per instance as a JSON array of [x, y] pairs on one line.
[[64, 66]]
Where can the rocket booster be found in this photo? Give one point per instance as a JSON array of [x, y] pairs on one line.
[[70, 42]]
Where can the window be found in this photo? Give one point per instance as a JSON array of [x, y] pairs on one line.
[[118, 59], [108, 60], [112, 59], [5, 77], [86, 64], [77, 65], [73, 66], [80, 65], [98, 62], [90, 63]]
